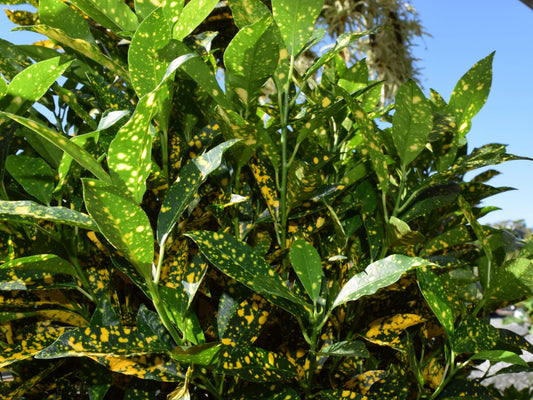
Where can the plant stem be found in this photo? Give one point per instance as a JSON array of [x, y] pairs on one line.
[[284, 109], [237, 189]]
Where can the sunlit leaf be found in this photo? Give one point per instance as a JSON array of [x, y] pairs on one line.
[[34, 211], [247, 12], [194, 12], [352, 348], [123, 223], [412, 122], [129, 153], [296, 21], [470, 93], [377, 275]]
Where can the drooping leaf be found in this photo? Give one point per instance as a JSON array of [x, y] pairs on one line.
[[296, 21], [123, 223], [81, 156], [31, 211], [129, 153], [412, 122], [470, 93], [433, 291], [100, 341], [495, 356], [306, 263], [42, 262], [27, 279], [30, 345], [82, 47], [157, 367], [377, 275], [239, 261], [112, 14], [184, 189], [386, 331]]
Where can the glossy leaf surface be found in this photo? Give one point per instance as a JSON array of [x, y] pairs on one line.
[[306, 263], [377, 275]]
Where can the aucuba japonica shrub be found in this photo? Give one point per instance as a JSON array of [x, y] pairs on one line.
[[173, 230]]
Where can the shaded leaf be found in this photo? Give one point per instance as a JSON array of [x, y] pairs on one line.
[[182, 192], [194, 12], [33, 174], [352, 348], [474, 335], [433, 291], [306, 263], [81, 156], [247, 12]]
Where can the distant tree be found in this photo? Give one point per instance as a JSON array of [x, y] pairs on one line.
[[517, 227]]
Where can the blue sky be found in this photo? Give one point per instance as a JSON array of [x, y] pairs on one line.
[[464, 32]]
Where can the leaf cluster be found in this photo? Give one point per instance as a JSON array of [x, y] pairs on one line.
[[173, 230]]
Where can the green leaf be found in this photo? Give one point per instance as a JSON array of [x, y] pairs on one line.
[[474, 335], [412, 122], [205, 355], [82, 47], [27, 279], [32, 344], [192, 15], [353, 348], [22, 209], [240, 262], [100, 341], [495, 356], [256, 365], [372, 143], [251, 58], [148, 56], [111, 14], [377, 275], [433, 291], [182, 192], [33, 174], [21, 95], [201, 73], [123, 223], [470, 93], [296, 21], [57, 14], [129, 153], [247, 12], [430, 199], [81, 156], [143, 8], [306, 263], [42, 262]]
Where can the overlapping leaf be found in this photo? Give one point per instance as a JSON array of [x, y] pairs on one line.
[[124, 223]]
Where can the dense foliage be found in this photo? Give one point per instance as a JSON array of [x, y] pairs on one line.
[[168, 229]]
